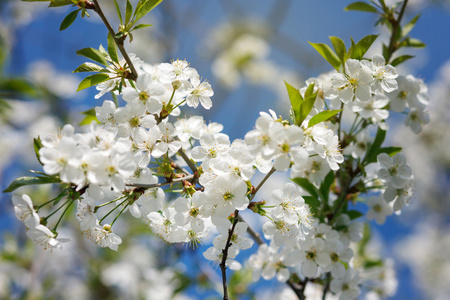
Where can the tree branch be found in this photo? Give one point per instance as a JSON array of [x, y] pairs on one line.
[[223, 266], [119, 43], [187, 160], [395, 27], [262, 182], [155, 185]]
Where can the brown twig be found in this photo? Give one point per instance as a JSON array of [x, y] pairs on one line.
[[187, 160], [155, 185], [223, 266], [119, 43], [262, 182]]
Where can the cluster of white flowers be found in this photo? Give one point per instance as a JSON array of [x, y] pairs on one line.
[[372, 88], [110, 166]]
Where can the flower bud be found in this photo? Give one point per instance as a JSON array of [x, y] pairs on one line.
[[176, 84]]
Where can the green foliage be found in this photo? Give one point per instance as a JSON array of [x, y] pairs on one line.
[[296, 100], [37, 146], [144, 7], [374, 150], [361, 6], [391, 151], [23, 181], [119, 14], [53, 3], [141, 26], [58, 3], [92, 80], [89, 67], [18, 85], [326, 185], [94, 54], [401, 59], [239, 283], [354, 214], [373, 263], [339, 47], [308, 103], [128, 12], [301, 106], [410, 25], [364, 241], [112, 49], [90, 117], [327, 53], [314, 204], [69, 19], [357, 51], [323, 116], [307, 186], [413, 43]]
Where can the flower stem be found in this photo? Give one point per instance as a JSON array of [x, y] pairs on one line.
[[104, 217], [62, 215]]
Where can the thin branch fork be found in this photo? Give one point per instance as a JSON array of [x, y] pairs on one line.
[[119, 43]]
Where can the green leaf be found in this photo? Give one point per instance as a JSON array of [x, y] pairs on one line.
[[18, 85], [408, 27], [112, 49], [401, 59], [37, 146], [323, 116], [385, 52], [307, 104], [296, 100], [68, 20], [374, 150], [92, 80], [326, 185], [89, 67], [313, 202], [373, 263], [58, 3], [129, 12], [362, 46], [103, 51], [118, 11], [23, 181], [141, 26], [365, 240], [307, 186], [339, 47], [327, 53], [354, 214], [93, 54], [144, 7], [414, 43], [391, 151], [90, 116], [361, 6]]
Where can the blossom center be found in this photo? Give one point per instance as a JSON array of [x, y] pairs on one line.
[[228, 196]]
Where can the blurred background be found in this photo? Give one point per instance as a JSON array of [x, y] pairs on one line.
[[245, 49]]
